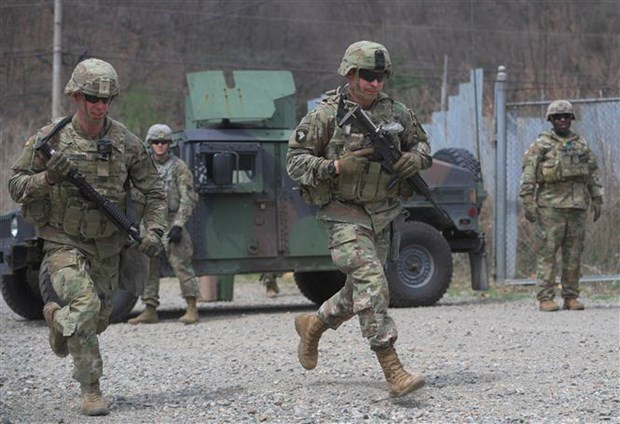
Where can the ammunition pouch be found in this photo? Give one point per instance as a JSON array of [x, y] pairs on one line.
[[368, 183], [573, 165], [570, 162], [567, 167], [319, 195], [37, 212], [548, 173], [88, 222]]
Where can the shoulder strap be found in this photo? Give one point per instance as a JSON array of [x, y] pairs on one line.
[[60, 125]]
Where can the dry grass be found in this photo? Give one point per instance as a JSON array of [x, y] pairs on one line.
[[13, 136]]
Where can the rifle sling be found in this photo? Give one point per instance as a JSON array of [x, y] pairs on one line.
[[60, 125]]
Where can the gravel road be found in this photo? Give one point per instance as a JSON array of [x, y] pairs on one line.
[[485, 360]]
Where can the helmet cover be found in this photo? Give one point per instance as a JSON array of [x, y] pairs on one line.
[[93, 77], [366, 55]]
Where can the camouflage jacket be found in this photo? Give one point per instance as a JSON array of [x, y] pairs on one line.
[[61, 213], [179, 187], [560, 172], [317, 140]]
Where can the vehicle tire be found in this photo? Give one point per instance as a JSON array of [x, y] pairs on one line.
[[423, 272], [122, 300], [318, 286], [463, 158], [19, 296]]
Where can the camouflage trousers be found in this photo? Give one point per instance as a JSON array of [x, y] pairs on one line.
[[180, 258], [557, 229], [85, 284], [360, 254]]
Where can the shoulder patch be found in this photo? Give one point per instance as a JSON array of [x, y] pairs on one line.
[[301, 134]]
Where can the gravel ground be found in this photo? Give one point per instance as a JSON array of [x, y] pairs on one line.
[[485, 360]]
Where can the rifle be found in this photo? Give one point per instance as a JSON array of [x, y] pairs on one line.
[[109, 209], [388, 155]]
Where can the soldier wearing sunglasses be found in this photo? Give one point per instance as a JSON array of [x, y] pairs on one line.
[[559, 182], [336, 170], [82, 245], [179, 186]]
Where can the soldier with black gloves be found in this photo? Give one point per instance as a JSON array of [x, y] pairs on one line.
[[179, 186]]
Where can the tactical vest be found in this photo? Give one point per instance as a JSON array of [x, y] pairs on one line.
[[107, 173], [563, 160], [167, 172], [368, 182]]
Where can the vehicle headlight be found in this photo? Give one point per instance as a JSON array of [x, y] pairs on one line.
[[14, 226]]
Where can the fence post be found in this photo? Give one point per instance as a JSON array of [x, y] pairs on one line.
[[499, 209]]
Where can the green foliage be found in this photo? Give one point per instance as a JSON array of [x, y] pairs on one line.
[[404, 82], [137, 111]]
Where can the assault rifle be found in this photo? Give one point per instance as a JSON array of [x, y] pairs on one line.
[[109, 209], [388, 155]]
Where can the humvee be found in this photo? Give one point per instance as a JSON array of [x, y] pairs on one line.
[[250, 217]]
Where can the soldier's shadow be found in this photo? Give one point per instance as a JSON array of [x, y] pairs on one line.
[[159, 399], [414, 400]]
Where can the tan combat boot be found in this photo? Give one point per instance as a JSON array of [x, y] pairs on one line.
[[58, 342], [572, 304], [548, 305], [309, 327], [148, 316], [92, 402], [191, 313], [271, 287], [401, 382]]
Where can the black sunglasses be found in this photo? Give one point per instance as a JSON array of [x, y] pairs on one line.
[[370, 76], [95, 99], [559, 116], [159, 142]]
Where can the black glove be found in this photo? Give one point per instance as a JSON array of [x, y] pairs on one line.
[[58, 168], [151, 244], [408, 164], [175, 234]]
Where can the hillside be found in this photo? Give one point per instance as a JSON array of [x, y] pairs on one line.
[[552, 48]]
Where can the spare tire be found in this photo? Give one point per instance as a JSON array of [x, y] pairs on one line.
[[463, 158]]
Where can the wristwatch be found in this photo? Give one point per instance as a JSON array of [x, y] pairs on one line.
[[331, 169]]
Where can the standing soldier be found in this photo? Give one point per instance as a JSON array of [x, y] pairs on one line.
[[179, 186], [336, 170], [82, 246], [559, 181]]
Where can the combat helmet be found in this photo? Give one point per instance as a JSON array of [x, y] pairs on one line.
[[557, 107], [93, 77], [159, 132], [366, 55]]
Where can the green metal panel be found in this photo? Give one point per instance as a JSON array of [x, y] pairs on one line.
[[261, 98], [308, 238]]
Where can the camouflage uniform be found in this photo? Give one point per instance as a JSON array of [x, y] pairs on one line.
[[560, 180], [179, 186], [336, 169], [82, 246], [358, 212]]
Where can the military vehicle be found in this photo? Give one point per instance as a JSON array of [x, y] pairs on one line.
[[250, 217]]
